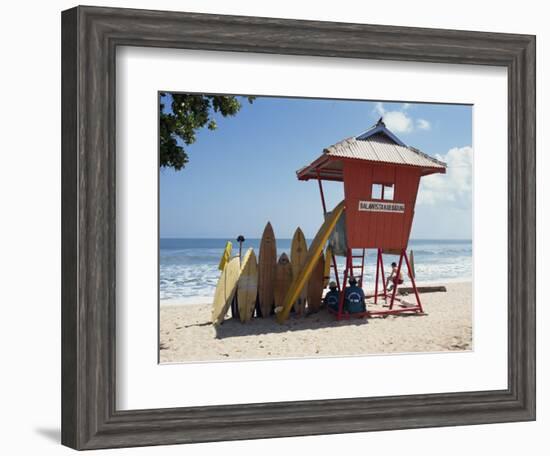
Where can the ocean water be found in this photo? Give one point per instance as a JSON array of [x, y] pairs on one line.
[[189, 267]]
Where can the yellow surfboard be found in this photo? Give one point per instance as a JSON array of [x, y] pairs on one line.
[[314, 252], [298, 255], [225, 290], [226, 255], [315, 286], [247, 286], [411, 262], [328, 263]]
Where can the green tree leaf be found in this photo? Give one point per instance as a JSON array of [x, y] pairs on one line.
[[186, 115]]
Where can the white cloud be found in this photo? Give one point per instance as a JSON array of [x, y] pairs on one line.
[[399, 121], [453, 188], [379, 108], [423, 124], [396, 121]]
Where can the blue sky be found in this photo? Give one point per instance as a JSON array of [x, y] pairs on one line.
[[243, 174]]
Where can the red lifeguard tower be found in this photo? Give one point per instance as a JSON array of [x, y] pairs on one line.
[[381, 176]]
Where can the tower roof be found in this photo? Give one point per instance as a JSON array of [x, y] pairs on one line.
[[376, 145]]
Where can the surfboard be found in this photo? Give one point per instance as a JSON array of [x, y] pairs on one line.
[[328, 262], [298, 255], [315, 286], [226, 255], [266, 270], [247, 286], [315, 249], [225, 290], [411, 262], [283, 279]]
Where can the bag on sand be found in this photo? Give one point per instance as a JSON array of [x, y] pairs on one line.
[[355, 300]]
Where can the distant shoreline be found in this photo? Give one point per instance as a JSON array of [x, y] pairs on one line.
[[188, 268]]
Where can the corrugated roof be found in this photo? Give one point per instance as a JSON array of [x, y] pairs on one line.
[[380, 148], [378, 145]]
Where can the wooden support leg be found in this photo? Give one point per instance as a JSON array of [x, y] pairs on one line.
[[384, 283], [394, 289], [335, 266], [363, 255], [376, 278], [413, 283], [341, 297]]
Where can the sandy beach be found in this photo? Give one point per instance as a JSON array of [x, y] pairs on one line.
[[186, 334]]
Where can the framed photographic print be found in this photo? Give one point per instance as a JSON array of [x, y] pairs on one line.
[[217, 303], [281, 228]]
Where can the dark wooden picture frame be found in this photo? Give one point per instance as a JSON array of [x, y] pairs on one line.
[[90, 36]]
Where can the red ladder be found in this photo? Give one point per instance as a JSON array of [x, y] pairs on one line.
[[352, 267], [348, 272], [358, 266]]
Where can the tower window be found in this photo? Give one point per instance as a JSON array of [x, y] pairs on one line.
[[387, 193], [382, 192], [377, 191]]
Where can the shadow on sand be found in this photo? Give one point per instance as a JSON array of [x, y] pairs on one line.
[[259, 326], [233, 327]]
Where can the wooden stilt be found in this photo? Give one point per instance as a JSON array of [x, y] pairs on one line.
[[394, 289], [376, 276], [384, 283], [342, 291], [413, 283]]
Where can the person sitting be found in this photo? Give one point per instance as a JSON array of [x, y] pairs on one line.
[[393, 278], [354, 297], [332, 298]]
